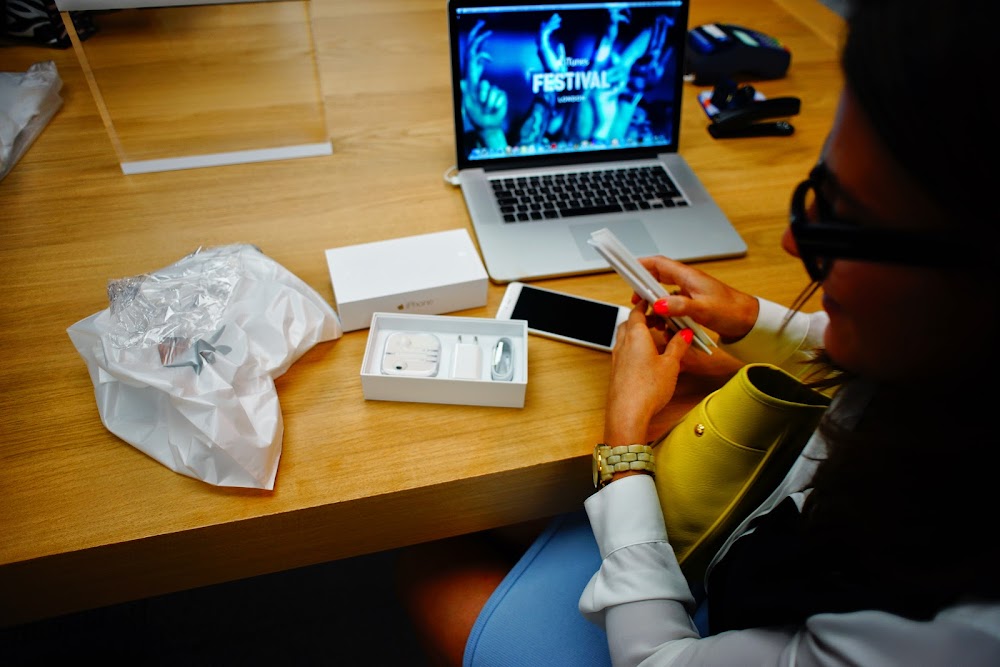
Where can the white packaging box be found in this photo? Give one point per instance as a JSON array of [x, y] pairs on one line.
[[444, 386], [434, 273]]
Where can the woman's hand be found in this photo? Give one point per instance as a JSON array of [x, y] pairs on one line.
[[706, 300], [643, 378], [695, 362]]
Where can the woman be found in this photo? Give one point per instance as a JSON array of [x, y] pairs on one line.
[[880, 550]]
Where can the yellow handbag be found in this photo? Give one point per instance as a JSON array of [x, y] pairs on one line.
[[727, 455]]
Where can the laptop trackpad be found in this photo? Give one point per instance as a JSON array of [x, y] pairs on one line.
[[632, 233]]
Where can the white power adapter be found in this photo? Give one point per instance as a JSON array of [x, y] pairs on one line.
[[468, 359]]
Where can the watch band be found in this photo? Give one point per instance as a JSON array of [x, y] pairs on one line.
[[609, 460]]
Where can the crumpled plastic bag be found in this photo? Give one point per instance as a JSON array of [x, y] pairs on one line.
[[28, 100], [184, 360]]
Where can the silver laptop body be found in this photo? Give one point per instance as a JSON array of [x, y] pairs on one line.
[[545, 90]]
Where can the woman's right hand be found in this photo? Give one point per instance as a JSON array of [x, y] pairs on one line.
[[706, 300]]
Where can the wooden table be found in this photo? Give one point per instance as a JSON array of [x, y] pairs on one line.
[[87, 520]]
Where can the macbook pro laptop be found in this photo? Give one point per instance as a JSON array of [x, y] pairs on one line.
[[554, 101]]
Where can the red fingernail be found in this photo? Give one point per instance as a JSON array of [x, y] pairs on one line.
[[661, 308], [635, 299], [687, 335]]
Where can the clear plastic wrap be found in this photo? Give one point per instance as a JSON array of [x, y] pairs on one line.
[[184, 359], [28, 100]]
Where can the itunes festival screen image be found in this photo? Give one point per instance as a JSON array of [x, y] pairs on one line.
[[569, 77]]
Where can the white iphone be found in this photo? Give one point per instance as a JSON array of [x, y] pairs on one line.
[[562, 316]]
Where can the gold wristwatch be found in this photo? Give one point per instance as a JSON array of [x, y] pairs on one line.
[[609, 460]]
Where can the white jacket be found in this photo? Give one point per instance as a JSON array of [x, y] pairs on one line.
[[641, 598]]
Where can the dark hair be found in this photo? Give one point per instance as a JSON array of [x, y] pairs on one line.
[[906, 501], [924, 73]]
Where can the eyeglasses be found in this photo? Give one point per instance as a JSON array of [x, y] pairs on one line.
[[821, 238]]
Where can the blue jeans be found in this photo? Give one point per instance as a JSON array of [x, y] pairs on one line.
[[532, 618]]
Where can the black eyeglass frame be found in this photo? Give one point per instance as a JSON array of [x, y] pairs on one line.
[[819, 242]]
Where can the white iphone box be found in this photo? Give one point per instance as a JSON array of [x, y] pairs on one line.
[[427, 274], [446, 359]]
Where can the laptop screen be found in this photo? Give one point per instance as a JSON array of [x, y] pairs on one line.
[[565, 82]]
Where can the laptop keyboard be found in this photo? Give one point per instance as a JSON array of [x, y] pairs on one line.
[[553, 196]]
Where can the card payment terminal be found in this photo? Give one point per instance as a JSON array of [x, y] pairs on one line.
[[717, 51]]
